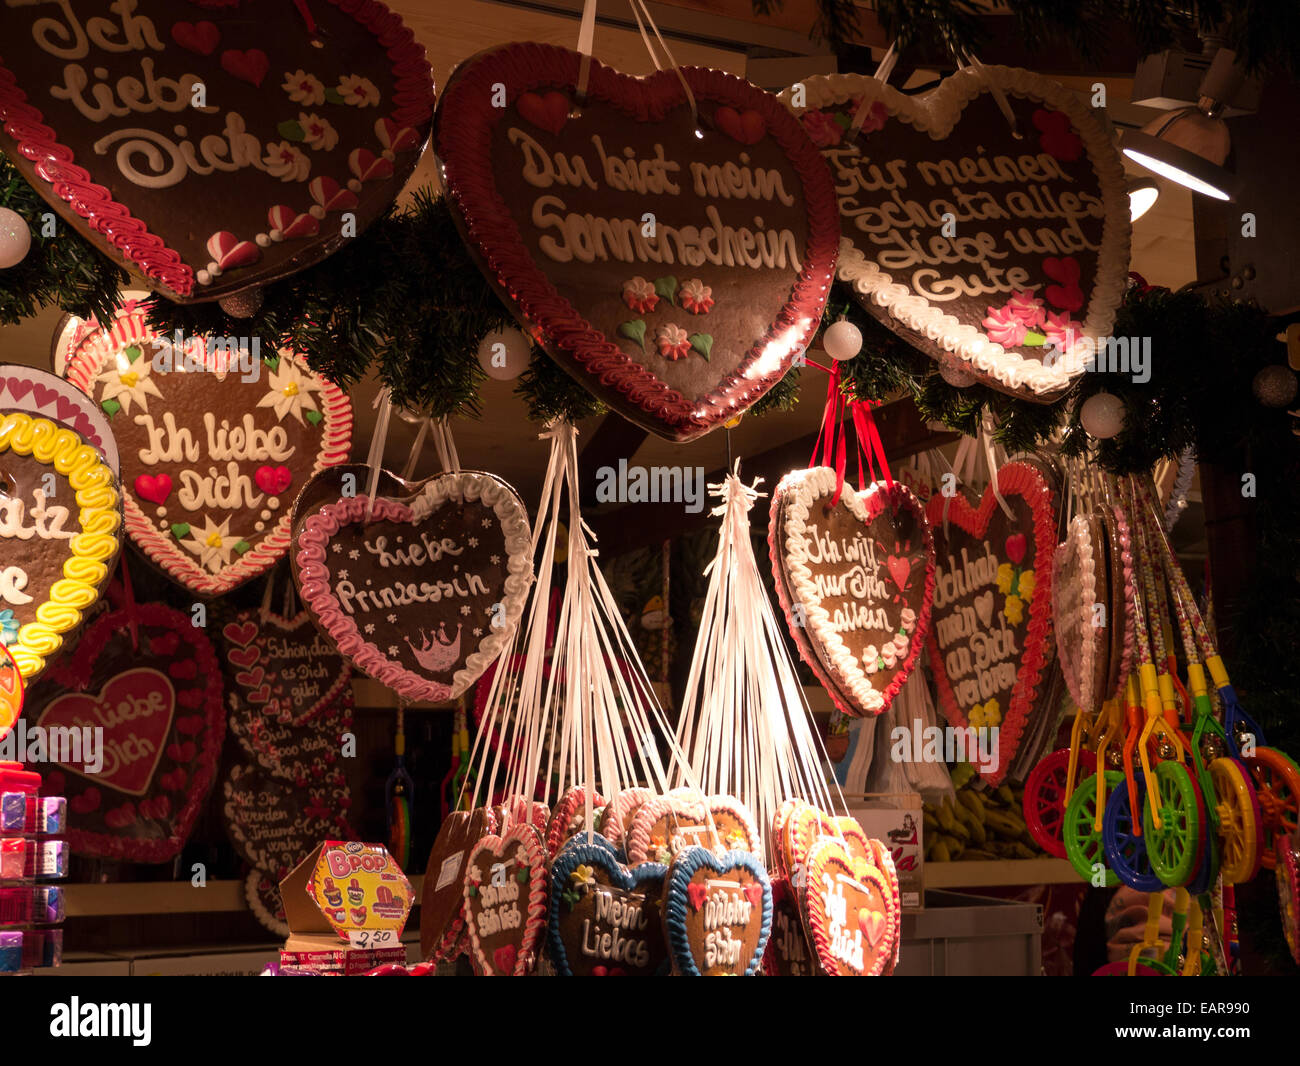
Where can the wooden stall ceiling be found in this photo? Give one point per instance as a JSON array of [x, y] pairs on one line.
[[504, 441]]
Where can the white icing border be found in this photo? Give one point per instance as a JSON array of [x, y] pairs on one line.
[[937, 112], [260, 912]]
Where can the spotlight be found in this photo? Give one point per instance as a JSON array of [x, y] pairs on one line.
[[1142, 195]]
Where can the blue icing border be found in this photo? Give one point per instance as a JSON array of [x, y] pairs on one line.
[[684, 867], [599, 852]]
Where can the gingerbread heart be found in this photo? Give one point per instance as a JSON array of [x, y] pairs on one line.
[[1049, 205], [569, 817], [664, 826], [275, 823], [292, 652], [851, 912], [421, 595], [24, 388], [152, 770], [989, 674], [619, 812], [603, 916], [164, 142], [505, 901], [442, 899], [787, 954], [675, 271], [856, 581], [208, 420], [717, 913], [263, 896], [60, 529]]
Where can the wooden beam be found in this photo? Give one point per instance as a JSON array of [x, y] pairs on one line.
[[902, 431]]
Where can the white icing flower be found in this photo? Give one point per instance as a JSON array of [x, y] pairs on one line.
[[213, 544], [304, 88], [286, 162], [125, 382], [870, 656], [889, 655], [900, 643], [358, 91], [908, 616], [289, 391], [318, 132]]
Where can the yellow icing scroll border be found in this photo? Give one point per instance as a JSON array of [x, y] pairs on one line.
[[93, 550]]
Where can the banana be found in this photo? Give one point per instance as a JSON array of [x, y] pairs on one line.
[[947, 819], [1005, 824], [974, 825], [977, 855], [940, 852], [1007, 796], [931, 820], [1022, 851], [971, 801]]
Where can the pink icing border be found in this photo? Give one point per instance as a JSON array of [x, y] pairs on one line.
[[318, 592], [535, 918], [85, 363]]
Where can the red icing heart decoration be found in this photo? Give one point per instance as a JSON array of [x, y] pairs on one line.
[[199, 37], [212, 449], [290, 224], [678, 332], [697, 893], [1039, 268], [183, 198], [241, 633], [136, 797], [991, 637], [367, 166], [243, 656]]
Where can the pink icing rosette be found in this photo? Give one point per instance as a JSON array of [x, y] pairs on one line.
[[1004, 328], [1027, 307]]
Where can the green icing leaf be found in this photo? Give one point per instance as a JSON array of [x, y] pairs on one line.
[[333, 96], [666, 287], [273, 361], [314, 417], [132, 353], [634, 331], [180, 530], [1034, 340], [702, 343], [242, 547], [111, 407], [291, 131], [842, 120]]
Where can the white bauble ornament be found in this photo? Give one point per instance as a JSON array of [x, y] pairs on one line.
[[842, 340], [504, 353], [954, 373], [1274, 386], [15, 238], [1103, 415]]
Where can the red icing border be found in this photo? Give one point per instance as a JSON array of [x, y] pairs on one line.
[[535, 916], [114, 223], [826, 851], [74, 673], [462, 140], [1027, 482]]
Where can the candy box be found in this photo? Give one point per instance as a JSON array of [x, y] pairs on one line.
[[895, 820], [346, 891]]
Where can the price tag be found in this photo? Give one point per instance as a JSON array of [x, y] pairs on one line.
[[372, 938]]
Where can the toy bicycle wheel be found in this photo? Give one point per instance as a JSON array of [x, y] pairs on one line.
[[1126, 852], [1208, 871], [1287, 871], [1277, 788], [1083, 843], [1175, 848], [1045, 798], [1241, 826]]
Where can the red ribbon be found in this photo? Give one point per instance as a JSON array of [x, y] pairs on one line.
[[832, 438]]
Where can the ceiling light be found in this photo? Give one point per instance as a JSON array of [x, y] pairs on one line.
[[1142, 195]]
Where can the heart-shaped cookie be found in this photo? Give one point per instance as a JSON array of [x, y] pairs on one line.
[[787, 954], [151, 767], [263, 896], [195, 430], [851, 912], [442, 899], [856, 580], [619, 812], [665, 825], [294, 656], [1010, 255], [1080, 607], [717, 912], [274, 823], [60, 529], [675, 269], [989, 674], [604, 916], [505, 901], [169, 143], [421, 595], [24, 388], [569, 817]]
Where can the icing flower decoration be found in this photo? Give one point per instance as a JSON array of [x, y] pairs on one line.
[[985, 716], [674, 342], [900, 643], [8, 626], [289, 391], [358, 91], [889, 655], [583, 877], [1057, 136], [1061, 330], [1027, 307], [286, 162], [1018, 586], [1004, 328], [640, 295], [696, 297], [822, 130], [212, 543], [876, 117], [304, 88], [1013, 610], [908, 618], [871, 657], [318, 132], [737, 841], [130, 382]]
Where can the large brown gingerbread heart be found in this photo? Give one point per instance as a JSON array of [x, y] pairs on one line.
[[421, 595], [505, 901], [215, 444], [135, 795], [274, 822], [1007, 255], [213, 149], [674, 267], [856, 580], [991, 637]]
